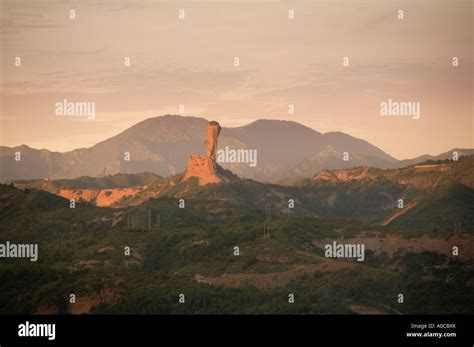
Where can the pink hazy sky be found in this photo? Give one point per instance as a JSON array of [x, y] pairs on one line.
[[282, 62]]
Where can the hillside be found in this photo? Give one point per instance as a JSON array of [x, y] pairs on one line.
[[363, 193], [190, 251], [161, 145], [86, 182], [450, 207], [366, 194]]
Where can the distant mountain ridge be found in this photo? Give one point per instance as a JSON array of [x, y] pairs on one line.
[[161, 145]]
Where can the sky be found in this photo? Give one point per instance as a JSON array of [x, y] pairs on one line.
[[282, 61]]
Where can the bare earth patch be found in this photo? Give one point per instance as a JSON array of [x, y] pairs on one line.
[[274, 279], [390, 244], [398, 213], [105, 249], [270, 258], [85, 303], [200, 242], [342, 175], [47, 308], [134, 259], [363, 309], [100, 197]]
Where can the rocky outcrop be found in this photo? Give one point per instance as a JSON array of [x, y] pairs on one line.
[[212, 133], [100, 197], [205, 167]]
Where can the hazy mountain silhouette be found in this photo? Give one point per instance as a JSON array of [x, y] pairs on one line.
[[161, 145]]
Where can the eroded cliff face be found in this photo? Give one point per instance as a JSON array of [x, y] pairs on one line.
[[205, 167], [100, 197], [212, 133]]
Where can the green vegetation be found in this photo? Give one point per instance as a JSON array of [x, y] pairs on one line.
[[191, 250], [166, 260]]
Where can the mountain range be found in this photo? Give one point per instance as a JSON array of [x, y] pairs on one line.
[[435, 196], [161, 145]]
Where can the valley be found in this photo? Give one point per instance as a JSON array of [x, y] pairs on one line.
[[195, 257], [190, 250]]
